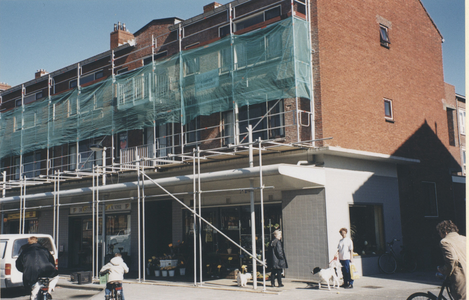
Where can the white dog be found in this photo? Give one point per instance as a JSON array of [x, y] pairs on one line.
[[243, 278], [328, 274]]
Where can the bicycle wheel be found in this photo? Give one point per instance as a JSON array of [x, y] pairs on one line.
[[387, 263], [421, 296], [410, 264], [119, 295]]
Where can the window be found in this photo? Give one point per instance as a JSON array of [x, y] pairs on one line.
[[225, 60], [256, 19], [28, 99], [192, 130], [429, 199], [388, 109], [91, 77], [269, 126], [224, 30], [450, 121], [73, 83], [156, 56], [191, 66], [464, 160], [384, 36], [462, 121], [32, 164], [367, 228]]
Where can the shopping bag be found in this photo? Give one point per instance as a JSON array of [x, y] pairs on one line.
[[354, 272], [103, 278]]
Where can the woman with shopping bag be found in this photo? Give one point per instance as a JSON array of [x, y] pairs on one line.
[[345, 254]]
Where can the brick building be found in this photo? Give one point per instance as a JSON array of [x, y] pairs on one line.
[[346, 100]]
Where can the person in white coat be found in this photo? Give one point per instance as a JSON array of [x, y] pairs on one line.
[[116, 269]]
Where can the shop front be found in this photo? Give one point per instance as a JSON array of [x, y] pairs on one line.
[[220, 256], [117, 234], [11, 222]]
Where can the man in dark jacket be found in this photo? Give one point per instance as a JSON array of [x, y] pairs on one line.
[[36, 261], [277, 260]]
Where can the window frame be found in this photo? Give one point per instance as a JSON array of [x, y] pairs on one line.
[[391, 116], [462, 121], [430, 213], [384, 36], [378, 235]]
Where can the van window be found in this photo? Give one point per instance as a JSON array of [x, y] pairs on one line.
[[46, 242], [3, 246]]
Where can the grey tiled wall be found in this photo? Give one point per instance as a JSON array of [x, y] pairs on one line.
[[304, 232]]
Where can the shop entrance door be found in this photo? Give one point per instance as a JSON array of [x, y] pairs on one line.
[[80, 243]]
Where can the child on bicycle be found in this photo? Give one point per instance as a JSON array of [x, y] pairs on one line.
[[116, 269]]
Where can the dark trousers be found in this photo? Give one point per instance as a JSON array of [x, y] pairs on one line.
[[346, 271], [276, 273], [107, 291]]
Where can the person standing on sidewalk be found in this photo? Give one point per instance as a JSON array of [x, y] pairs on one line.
[[453, 246], [277, 260], [345, 253]]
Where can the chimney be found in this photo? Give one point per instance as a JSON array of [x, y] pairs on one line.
[[40, 73], [211, 6], [120, 36], [4, 86]]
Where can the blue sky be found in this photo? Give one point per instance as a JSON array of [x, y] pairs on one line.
[[52, 34]]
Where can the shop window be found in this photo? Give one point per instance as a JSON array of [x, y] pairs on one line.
[[429, 199], [367, 230], [118, 234]]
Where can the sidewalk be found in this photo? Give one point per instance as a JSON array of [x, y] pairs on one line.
[[395, 286]]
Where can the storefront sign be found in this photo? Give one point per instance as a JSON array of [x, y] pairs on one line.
[[86, 209], [28, 214]]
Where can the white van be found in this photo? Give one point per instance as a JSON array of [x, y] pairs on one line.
[[10, 245]]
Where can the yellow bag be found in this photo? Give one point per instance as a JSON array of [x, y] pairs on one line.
[[354, 272]]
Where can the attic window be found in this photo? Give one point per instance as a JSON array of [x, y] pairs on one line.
[[384, 36]]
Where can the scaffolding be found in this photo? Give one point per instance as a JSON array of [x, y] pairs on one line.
[[268, 64]]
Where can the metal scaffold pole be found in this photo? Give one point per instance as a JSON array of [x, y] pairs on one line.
[[195, 218], [94, 269], [261, 185], [139, 220], [143, 217], [253, 213], [199, 196]]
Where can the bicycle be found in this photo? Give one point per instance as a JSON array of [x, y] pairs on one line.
[[388, 261], [431, 296], [43, 293], [116, 291]]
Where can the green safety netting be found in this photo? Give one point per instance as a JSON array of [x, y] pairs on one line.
[[267, 64]]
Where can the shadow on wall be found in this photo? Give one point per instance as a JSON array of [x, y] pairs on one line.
[[426, 194]]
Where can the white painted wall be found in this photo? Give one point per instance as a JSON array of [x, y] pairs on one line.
[[351, 181]]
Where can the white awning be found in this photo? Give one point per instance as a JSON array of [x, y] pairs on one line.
[[280, 176]]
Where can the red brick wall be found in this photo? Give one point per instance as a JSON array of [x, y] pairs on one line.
[[356, 73]]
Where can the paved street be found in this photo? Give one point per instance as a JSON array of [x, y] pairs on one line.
[[397, 286]]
